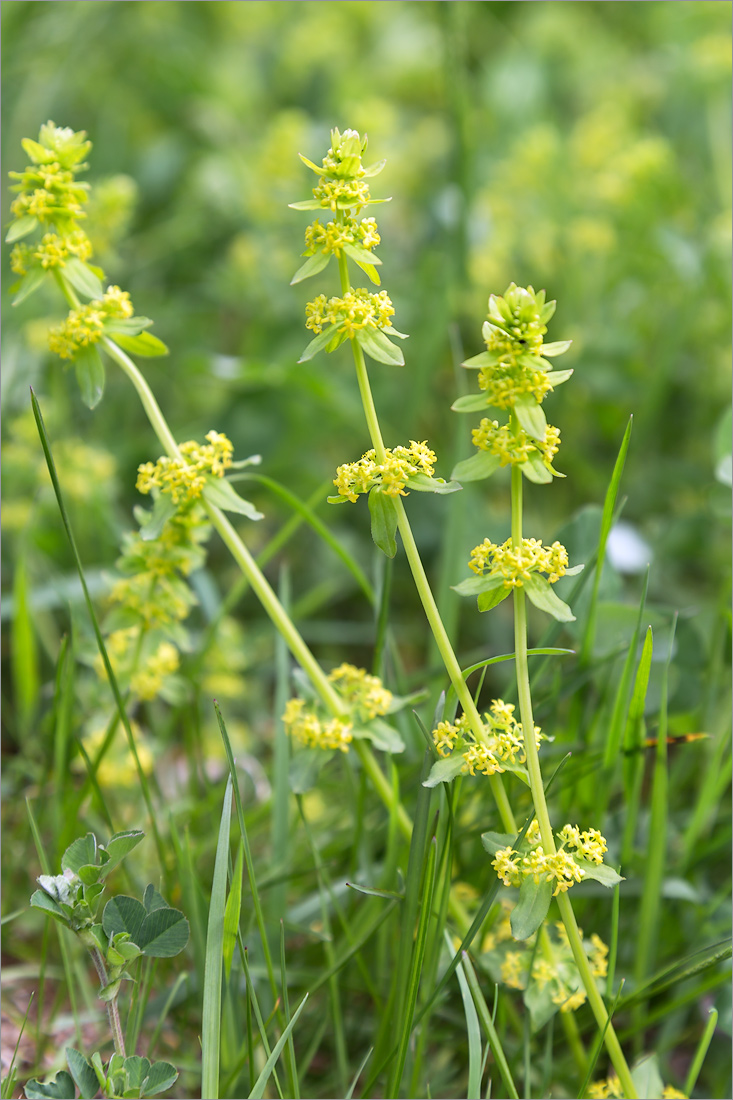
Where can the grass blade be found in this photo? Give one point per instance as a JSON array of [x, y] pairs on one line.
[[259, 1086], [473, 1033], [211, 1017], [488, 1026]]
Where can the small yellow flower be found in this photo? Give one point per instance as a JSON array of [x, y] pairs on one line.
[[515, 564]]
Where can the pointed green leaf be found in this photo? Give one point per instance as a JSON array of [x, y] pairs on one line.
[[472, 586], [127, 326], [60, 1088], [539, 590], [21, 228], [476, 468], [90, 375], [372, 274], [338, 500], [599, 872], [647, 1078], [30, 282], [318, 343], [531, 909], [421, 483], [392, 331], [223, 495], [144, 344], [304, 768], [535, 470], [483, 359], [163, 510], [383, 511], [557, 377], [79, 275], [232, 912], [312, 266], [443, 771], [471, 402], [382, 736], [495, 842], [557, 347], [306, 204], [491, 599], [84, 1076], [378, 347], [314, 167], [531, 416], [361, 255], [374, 169]]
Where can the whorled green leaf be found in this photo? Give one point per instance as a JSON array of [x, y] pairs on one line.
[[163, 510], [472, 586], [21, 228], [160, 934], [382, 736], [29, 283], [539, 591], [471, 402], [144, 344], [535, 470], [531, 416], [557, 377], [126, 326], [421, 483], [312, 266], [599, 872], [90, 375], [318, 343], [84, 1076], [445, 770], [556, 347], [494, 842], [383, 511], [304, 769], [476, 468], [223, 495], [376, 345], [531, 909], [82, 278], [60, 1088], [483, 359], [488, 600], [305, 204], [371, 272], [361, 255]]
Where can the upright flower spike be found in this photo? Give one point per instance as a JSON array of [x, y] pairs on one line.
[[514, 375], [356, 315], [50, 201]]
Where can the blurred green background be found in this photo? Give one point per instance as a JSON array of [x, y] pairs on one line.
[[581, 147]]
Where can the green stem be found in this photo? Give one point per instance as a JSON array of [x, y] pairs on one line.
[[113, 1012], [540, 804]]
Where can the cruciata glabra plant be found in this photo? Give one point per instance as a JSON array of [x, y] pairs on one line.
[[514, 375], [347, 708]]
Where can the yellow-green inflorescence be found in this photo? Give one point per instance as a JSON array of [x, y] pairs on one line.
[[365, 702], [550, 982], [184, 479], [355, 314], [514, 375], [611, 1089], [391, 476], [86, 325], [569, 864], [502, 748]]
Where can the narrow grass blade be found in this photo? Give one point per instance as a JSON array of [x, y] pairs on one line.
[[488, 1025], [142, 778], [232, 912], [281, 797], [680, 971], [648, 926], [26, 675], [293, 1070], [473, 1033], [416, 963], [211, 1017], [702, 1049], [357, 1075], [621, 702], [256, 902], [634, 737], [609, 506], [259, 1087]]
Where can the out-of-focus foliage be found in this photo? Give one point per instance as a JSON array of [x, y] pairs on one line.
[[580, 147]]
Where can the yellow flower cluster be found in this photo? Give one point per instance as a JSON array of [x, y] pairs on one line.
[[305, 726], [358, 309], [85, 325], [611, 1088], [559, 867], [340, 194], [333, 236], [400, 464], [365, 695], [503, 385], [516, 564], [125, 655], [343, 159], [510, 961], [51, 251], [147, 682], [514, 446], [504, 740], [184, 479]]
